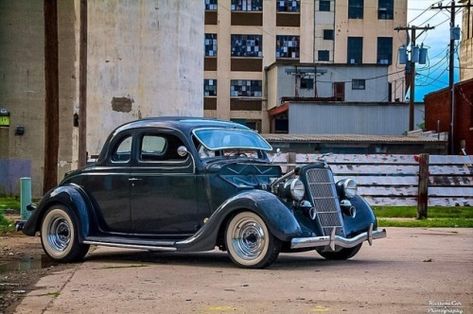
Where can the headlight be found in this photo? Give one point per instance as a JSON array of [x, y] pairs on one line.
[[349, 188], [296, 189]]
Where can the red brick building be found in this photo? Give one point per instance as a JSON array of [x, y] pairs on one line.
[[437, 114]]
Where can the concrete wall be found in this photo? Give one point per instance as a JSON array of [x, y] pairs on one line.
[[281, 84], [359, 118], [143, 54], [22, 92], [145, 58], [68, 34]]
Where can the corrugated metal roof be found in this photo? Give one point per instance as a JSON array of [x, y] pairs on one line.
[[348, 138]]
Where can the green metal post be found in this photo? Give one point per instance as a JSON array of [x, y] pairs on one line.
[[25, 197]]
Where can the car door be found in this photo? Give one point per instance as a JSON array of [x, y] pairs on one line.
[[163, 187], [109, 189]]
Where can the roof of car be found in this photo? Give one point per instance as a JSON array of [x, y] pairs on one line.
[[184, 124]]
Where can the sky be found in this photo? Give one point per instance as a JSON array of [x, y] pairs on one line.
[[433, 75]]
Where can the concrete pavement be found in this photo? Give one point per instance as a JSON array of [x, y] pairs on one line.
[[413, 270]]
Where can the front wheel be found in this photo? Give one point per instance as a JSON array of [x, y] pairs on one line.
[[249, 242], [342, 254], [59, 235]]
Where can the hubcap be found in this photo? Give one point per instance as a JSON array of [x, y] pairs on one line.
[[248, 238], [59, 234]]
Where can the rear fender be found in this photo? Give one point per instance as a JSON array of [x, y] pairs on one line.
[[73, 197], [279, 219]]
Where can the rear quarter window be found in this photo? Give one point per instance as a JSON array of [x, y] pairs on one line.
[[122, 151]]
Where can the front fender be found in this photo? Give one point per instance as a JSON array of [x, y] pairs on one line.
[[363, 218], [279, 219], [73, 197]]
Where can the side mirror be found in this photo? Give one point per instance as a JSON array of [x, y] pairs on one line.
[[278, 152], [182, 151]]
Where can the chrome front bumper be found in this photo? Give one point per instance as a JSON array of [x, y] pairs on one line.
[[333, 240]]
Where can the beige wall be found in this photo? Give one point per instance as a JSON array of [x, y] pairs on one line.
[[370, 27], [68, 34], [22, 85], [148, 56], [307, 31], [145, 51], [323, 20], [466, 45]]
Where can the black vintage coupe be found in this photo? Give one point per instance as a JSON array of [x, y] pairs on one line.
[[191, 184]]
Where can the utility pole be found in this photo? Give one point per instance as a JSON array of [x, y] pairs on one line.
[[83, 85], [51, 82], [411, 67], [451, 69]]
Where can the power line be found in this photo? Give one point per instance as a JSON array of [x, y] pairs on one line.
[[433, 15], [366, 79], [411, 66]]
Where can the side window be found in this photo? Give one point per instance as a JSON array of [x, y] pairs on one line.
[[152, 148], [160, 148], [122, 152]]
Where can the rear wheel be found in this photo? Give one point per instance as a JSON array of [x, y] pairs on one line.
[[342, 254], [249, 242], [59, 235]]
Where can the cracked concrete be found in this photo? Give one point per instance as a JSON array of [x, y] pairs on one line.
[[409, 272]]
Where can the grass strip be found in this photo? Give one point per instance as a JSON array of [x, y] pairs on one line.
[[432, 212], [426, 223]]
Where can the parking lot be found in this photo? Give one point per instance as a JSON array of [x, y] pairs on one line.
[[413, 270]]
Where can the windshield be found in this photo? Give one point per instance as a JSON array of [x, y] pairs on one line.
[[224, 139]]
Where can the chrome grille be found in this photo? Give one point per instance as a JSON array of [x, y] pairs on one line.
[[325, 199]]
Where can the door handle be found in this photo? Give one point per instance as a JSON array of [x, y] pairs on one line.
[[134, 179]]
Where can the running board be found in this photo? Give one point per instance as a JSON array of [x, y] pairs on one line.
[[136, 246]]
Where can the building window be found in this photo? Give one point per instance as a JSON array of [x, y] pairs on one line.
[[323, 55], [287, 47], [247, 46], [247, 5], [328, 34], [210, 88], [307, 83], [252, 124], [288, 5], [358, 84], [385, 9], [385, 50], [210, 5], [355, 50], [324, 5], [245, 88], [355, 9], [210, 45]]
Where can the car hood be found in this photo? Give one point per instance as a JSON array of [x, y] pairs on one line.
[[246, 174]]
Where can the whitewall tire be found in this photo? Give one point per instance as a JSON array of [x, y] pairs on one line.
[[59, 235], [249, 241]]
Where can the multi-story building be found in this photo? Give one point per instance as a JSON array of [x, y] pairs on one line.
[[466, 45], [244, 37]]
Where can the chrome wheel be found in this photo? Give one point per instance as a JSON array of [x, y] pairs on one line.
[[59, 233], [249, 242], [248, 238]]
